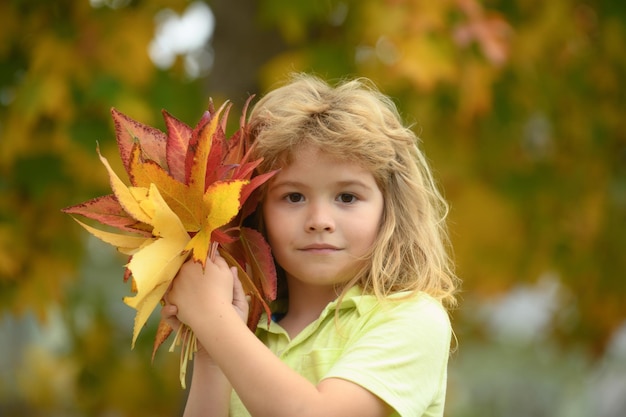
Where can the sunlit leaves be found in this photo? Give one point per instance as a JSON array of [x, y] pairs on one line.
[[186, 194], [221, 205], [153, 266]]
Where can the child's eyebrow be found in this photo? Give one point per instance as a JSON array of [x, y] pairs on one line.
[[341, 184], [279, 184], [354, 183]]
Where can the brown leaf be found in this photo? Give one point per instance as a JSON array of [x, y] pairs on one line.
[[162, 333]]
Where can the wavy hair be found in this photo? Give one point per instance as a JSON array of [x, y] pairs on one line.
[[355, 122]]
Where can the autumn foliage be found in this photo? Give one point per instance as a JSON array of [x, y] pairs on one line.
[[190, 191]]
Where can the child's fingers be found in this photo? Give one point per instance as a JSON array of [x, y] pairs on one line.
[[168, 313], [218, 260], [238, 293], [240, 301]]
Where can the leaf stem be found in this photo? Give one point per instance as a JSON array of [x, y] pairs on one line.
[[186, 337]]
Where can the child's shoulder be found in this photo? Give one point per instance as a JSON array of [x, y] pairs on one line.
[[405, 320], [417, 305], [412, 308]]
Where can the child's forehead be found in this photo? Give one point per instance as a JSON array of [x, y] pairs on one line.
[[305, 153], [313, 162], [308, 151]]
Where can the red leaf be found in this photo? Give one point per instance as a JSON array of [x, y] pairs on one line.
[[224, 173], [244, 112], [259, 257], [224, 118], [214, 160], [178, 137], [108, 211], [255, 312], [246, 170], [222, 237], [238, 143], [248, 207], [258, 302], [129, 132], [237, 148], [195, 143]]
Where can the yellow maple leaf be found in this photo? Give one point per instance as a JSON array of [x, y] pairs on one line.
[[220, 205], [177, 194], [154, 266], [125, 243], [124, 195]]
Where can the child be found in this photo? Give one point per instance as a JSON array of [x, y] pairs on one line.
[[356, 227]]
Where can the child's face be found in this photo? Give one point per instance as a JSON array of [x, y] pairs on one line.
[[322, 216]]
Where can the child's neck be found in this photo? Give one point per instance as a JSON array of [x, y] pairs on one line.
[[306, 303]]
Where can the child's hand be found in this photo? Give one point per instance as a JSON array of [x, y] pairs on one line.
[[196, 293], [168, 314], [240, 301]]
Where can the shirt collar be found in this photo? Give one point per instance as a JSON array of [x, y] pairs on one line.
[[352, 299]]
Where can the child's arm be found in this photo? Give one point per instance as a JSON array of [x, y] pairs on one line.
[[209, 394], [266, 386]]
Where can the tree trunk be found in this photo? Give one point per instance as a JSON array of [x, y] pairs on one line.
[[241, 47]]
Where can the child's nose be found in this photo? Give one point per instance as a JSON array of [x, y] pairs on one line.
[[320, 218]]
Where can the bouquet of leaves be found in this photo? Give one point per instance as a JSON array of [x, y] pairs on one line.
[[190, 191]]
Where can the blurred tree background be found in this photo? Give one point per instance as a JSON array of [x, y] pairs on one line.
[[521, 108]]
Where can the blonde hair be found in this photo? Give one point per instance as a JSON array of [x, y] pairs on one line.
[[354, 121]]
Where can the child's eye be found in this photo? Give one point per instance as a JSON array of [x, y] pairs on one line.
[[294, 197], [346, 198]]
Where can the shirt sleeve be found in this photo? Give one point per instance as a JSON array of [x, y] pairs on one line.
[[401, 354]]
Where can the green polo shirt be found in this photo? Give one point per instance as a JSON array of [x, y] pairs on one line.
[[396, 349]]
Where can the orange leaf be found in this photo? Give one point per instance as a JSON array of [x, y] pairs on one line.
[[176, 194], [130, 132], [163, 332], [178, 137]]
